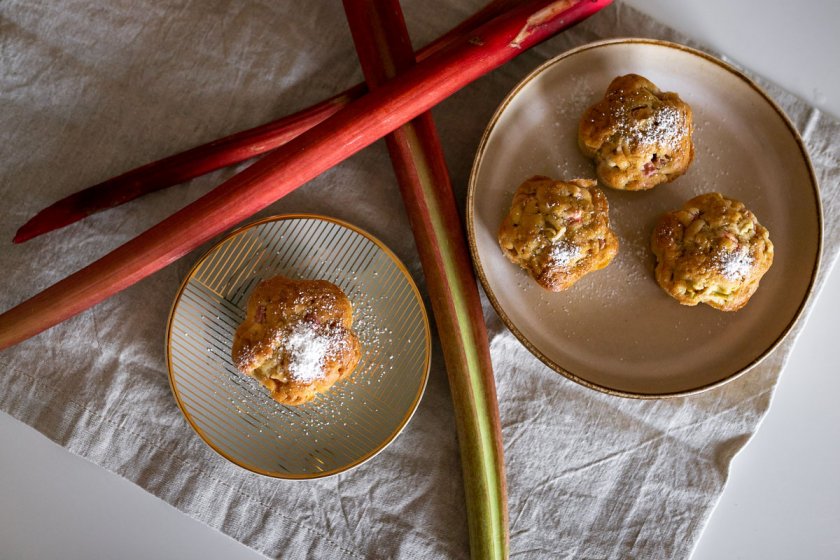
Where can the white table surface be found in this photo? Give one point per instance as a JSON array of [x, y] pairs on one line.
[[783, 497]]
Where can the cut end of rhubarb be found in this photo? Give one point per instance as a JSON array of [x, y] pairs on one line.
[[37, 225], [25, 233], [53, 217]]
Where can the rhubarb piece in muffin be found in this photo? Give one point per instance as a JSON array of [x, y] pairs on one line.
[[637, 135], [711, 251], [558, 231], [296, 339]]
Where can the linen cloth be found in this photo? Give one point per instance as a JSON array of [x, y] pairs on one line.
[[90, 89]]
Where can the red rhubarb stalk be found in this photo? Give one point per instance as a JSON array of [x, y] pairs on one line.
[[181, 167], [230, 150], [356, 126], [384, 49]]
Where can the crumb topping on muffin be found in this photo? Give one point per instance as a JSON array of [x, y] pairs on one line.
[[713, 251], [558, 231], [297, 338], [637, 135]]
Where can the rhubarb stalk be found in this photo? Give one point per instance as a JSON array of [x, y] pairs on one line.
[[181, 167], [356, 126], [230, 150], [384, 49]]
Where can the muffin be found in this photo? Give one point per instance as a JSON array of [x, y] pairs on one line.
[[637, 135], [296, 339], [711, 251], [558, 231]]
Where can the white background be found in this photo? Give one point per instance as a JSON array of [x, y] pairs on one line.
[[783, 497]]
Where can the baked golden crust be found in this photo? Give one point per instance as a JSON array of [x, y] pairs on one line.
[[711, 251], [296, 339], [558, 231], [637, 135]]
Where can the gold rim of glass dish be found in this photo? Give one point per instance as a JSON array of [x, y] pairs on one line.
[[489, 290], [375, 449]]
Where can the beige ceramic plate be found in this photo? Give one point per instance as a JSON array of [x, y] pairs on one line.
[[615, 330], [338, 430]]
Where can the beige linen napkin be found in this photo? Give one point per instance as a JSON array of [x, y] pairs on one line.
[[90, 89]]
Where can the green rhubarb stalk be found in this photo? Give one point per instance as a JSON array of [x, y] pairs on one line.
[[384, 49]]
